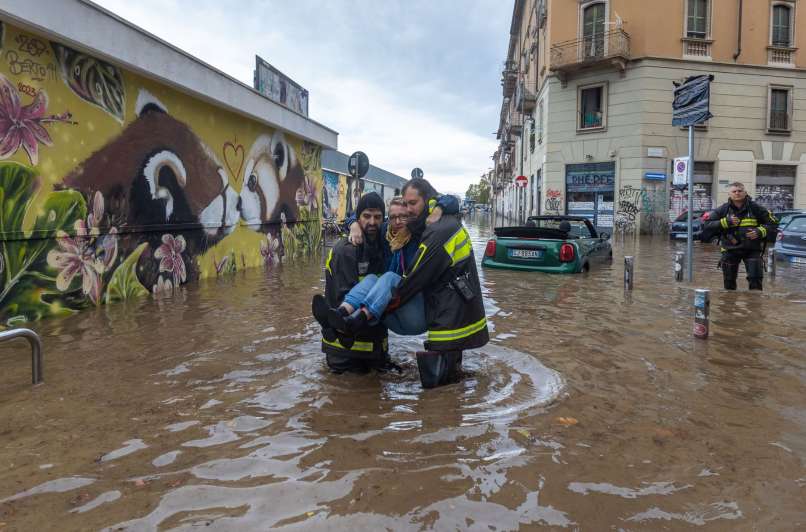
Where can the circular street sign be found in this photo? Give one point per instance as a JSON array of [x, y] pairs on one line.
[[358, 165], [417, 173], [521, 181]]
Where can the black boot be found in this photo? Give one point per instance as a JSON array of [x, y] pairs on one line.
[[319, 308], [355, 322], [755, 284], [438, 368]]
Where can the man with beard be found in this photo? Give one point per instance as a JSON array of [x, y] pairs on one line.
[[346, 265]]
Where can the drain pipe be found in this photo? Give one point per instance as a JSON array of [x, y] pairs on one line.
[[739, 34]]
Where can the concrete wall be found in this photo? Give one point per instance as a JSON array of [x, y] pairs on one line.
[[115, 185]]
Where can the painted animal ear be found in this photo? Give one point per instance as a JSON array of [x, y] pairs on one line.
[[158, 162], [147, 102]]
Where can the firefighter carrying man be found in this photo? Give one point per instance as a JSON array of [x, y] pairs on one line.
[[744, 227]]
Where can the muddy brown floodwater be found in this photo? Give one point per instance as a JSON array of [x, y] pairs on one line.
[[590, 409]]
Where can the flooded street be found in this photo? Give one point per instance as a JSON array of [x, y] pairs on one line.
[[591, 409]]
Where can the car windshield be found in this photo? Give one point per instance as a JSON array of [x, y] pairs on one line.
[[684, 216], [797, 224], [578, 228]]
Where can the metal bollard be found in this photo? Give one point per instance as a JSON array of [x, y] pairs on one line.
[[629, 263], [36, 349], [679, 261], [702, 310], [771, 263]]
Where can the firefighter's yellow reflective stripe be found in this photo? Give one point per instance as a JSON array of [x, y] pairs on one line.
[[327, 262], [458, 247], [773, 219], [420, 254], [457, 334], [748, 222], [724, 223], [357, 346], [763, 231], [432, 204]]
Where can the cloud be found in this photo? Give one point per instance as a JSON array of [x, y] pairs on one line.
[[411, 83]]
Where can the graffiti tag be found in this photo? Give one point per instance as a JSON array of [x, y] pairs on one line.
[[31, 45], [629, 206], [553, 200], [27, 89], [26, 66]]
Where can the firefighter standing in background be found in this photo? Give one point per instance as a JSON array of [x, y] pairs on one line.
[[743, 227]]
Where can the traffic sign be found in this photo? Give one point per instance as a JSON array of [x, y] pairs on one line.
[[417, 173], [680, 171], [358, 165], [521, 181]]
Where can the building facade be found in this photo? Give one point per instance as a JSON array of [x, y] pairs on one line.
[[128, 167], [586, 113], [340, 193]]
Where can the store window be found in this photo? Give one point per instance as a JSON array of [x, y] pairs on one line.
[[775, 186]]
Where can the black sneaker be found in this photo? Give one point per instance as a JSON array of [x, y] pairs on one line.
[[319, 308], [335, 318], [355, 322]]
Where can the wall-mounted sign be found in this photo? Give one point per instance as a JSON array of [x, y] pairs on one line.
[[656, 152], [655, 176], [680, 171], [280, 88], [521, 181]]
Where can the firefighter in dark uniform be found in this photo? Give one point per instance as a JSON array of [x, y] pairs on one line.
[[444, 269], [743, 227], [345, 266]]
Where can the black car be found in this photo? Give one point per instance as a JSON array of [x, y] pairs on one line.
[[791, 241], [679, 228]]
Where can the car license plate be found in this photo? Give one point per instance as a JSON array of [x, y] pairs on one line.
[[526, 253], [681, 236], [798, 260]]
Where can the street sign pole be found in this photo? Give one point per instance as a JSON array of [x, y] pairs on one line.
[[690, 229]]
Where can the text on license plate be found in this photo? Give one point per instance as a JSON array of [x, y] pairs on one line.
[[526, 253]]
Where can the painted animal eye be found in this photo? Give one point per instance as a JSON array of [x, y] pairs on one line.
[[279, 155], [252, 183]]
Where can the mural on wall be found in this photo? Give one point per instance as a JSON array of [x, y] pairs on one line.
[[121, 193], [330, 195]]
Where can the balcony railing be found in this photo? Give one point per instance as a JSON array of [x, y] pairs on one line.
[[509, 78], [780, 56], [697, 48], [610, 47], [779, 121]]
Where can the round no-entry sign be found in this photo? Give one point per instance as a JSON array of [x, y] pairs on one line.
[[521, 181]]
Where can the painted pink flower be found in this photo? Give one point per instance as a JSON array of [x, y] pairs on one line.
[[270, 250], [76, 257], [24, 125], [306, 194], [170, 256]]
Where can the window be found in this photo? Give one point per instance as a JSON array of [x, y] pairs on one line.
[[782, 25], [697, 19], [592, 106], [593, 30], [780, 109]]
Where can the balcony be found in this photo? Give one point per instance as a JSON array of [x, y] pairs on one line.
[[525, 99], [607, 49], [779, 121], [509, 78], [694, 48], [781, 56]]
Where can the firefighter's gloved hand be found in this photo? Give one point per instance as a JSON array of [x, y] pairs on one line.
[[394, 304], [752, 234], [733, 220]]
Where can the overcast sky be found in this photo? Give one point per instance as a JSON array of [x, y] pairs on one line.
[[409, 82]]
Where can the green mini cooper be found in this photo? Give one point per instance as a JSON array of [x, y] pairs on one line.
[[552, 244]]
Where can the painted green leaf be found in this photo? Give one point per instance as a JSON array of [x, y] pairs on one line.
[[124, 284]]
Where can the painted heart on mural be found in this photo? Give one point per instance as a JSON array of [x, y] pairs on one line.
[[233, 158]]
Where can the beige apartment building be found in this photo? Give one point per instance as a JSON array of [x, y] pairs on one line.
[[586, 114]]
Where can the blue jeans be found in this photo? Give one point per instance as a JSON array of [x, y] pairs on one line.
[[375, 293]]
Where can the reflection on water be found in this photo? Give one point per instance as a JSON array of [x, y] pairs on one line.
[[589, 408]]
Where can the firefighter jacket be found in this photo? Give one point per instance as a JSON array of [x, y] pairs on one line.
[[751, 216], [347, 264], [444, 269]]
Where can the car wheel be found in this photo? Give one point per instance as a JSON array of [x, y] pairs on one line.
[[586, 268]]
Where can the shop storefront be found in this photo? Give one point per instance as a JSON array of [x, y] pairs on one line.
[[703, 192], [775, 186], [590, 191]]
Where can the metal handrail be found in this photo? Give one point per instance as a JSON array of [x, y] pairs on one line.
[[36, 349]]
